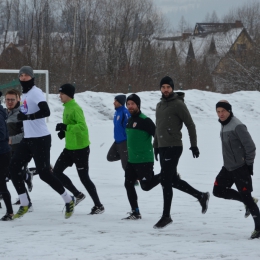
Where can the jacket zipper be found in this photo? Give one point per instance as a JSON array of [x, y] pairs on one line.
[[231, 149]]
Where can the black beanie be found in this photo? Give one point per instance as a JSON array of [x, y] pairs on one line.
[[167, 80], [121, 99], [135, 98], [224, 105], [67, 89]]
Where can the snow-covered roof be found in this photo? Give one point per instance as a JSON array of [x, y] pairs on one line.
[[60, 35], [182, 49], [201, 45], [225, 40], [11, 36]]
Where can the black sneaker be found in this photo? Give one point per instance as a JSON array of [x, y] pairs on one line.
[[29, 179], [79, 198], [133, 216], [7, 217], [247, 213], [97, 210], [255, 234], [204, 201], [18, 202], [30, 207], [163, 222]]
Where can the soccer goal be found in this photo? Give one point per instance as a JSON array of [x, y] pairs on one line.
[[11, 81]]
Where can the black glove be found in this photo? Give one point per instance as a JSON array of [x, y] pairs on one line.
[[61, 127], [21, 116], [61, 134], [195, 151], [156, 152], [250, 169]]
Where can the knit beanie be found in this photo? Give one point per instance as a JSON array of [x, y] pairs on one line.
[[121, 99], [224, 105], [167, 80], [27, 70], [67, 89], [136, 99]]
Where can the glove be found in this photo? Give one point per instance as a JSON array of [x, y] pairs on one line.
[[195, 151], [61, 134], [61, 127], [22, 117], [156, 152], [250, 169]]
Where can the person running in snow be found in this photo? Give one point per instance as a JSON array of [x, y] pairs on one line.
[[238, 151], [171, 113], [5, 157], [118, 150], [15, 131], [75, 131], [36, 143], [139, 129]]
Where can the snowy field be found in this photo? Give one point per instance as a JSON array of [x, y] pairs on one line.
[[222, 233]]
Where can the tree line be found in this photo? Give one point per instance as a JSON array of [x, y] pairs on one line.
[[108, 45]]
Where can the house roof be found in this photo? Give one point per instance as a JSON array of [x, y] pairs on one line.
[[206, 28], [225, 40], [182, 49], [11, 36], [201, 46]]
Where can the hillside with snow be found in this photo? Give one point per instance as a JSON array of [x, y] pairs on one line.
[[222, 233]]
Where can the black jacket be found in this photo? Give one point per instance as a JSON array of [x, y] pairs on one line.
[[4, 138]]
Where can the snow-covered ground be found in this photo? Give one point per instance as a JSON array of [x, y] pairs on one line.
[[222, 233]]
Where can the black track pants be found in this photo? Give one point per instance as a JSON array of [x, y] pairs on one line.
[[139, 171], [118, 152], [39, 149], [4, 172], [81, 160], [243, 181], [169, 158]]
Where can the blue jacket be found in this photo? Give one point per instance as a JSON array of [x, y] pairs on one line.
[[4, 137], [120, 119]]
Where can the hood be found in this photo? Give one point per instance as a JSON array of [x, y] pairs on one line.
[[176, 95]]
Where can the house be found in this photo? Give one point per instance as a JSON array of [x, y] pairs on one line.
[[216, 45], [10, 37]]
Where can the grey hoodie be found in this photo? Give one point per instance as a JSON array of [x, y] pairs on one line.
[[170, 115], [15, 127], [238, 147]]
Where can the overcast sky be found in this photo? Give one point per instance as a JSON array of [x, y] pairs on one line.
[[195, 10]]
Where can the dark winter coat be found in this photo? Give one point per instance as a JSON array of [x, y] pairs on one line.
[[4, 137], [238, 147], [15, 127], [170, 115]]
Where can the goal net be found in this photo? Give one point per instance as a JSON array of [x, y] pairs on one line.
[[9, 80]]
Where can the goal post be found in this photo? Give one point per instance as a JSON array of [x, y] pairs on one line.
[[46, 72]]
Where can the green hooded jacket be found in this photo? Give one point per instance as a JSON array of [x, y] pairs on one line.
[[76, 134], [170, 115]]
